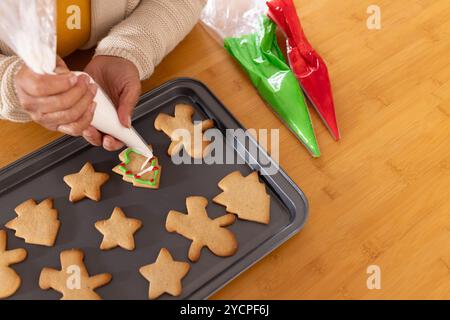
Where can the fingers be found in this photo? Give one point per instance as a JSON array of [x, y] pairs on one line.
[[93, 136], [37, 85], [76, 128], [127, 101], [61, 66], [111, 144], [63, 101], [73, 114]]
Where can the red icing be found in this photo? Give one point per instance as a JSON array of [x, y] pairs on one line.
[[137, 176]]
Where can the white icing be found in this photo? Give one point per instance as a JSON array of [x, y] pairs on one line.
[[144, 171]]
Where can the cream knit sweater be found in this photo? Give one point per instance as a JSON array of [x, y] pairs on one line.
[[142, 31]]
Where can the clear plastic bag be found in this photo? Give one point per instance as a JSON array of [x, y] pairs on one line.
[[28, 28], [232, 18]]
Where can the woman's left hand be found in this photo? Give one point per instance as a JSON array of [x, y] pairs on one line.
[[119, 78]]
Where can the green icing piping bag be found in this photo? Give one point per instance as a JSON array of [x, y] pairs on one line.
[[261, 57]]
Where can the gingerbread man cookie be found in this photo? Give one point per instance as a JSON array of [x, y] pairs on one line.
[[9, 279], [73, 280], [202, 230], [183, 132]]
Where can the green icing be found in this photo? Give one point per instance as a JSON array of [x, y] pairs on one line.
[[141, 181]]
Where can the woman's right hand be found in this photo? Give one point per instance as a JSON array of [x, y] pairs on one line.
[[63, 102]]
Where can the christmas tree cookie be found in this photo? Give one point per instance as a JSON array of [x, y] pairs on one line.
[[36, 223], [138, 169]]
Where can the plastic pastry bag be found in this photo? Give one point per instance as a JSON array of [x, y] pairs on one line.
[[28, 28], [308, 66], [250, 37]]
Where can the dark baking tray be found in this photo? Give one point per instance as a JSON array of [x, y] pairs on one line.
[[39, 175]]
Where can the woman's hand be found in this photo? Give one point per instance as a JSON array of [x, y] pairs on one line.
[[61, 102], [119, 78]]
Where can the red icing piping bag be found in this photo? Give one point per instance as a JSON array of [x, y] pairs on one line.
[[309, 68]]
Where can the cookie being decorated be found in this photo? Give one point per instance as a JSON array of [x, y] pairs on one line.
[[138, 169], [73, 280], [9, 279]]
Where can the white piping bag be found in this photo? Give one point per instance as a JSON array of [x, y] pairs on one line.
[[28, 28], [107, 121]]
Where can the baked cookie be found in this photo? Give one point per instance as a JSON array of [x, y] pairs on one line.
[[183, 132], [138, 169], [86, 183], [164, 275], [9, 279], [118, 230], [36, 223], [245, 196], [202, 230], [73, 280]]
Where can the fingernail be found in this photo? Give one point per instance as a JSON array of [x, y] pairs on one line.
[[129, 122], [60, 70], [93, 89], [106, 144], [93, 106], [73, 80], [63, 129]]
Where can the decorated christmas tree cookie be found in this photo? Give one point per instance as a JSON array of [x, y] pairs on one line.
[[138, 169]]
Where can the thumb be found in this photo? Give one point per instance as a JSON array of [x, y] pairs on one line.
[[61, 66], [127, 101]]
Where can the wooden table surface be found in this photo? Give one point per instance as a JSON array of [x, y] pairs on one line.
[[381, 196]]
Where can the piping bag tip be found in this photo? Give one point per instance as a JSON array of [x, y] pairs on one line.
[[333, 128], [313, 149], [336, 135]]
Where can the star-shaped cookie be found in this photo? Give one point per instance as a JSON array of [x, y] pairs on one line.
[[118, 230], [86, 183], [164, 275]]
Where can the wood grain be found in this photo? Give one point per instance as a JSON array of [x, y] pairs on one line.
[[381, 195]]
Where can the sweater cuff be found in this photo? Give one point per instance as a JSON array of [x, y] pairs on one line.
[[11, 108], [111, 46]]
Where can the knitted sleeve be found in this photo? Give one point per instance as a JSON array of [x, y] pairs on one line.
[[10, 108], [153, 30]]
